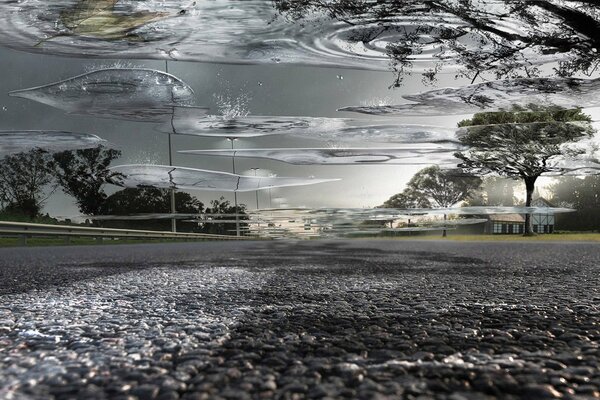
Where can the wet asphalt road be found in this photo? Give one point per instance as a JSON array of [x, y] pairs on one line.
[[336, 319]]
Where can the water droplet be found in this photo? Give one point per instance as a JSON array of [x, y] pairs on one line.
[[340, 77]]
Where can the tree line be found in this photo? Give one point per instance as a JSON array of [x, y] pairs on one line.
[[521, 144], [28, 179]]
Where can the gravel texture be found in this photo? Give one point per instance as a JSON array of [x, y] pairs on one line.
[[292, 320]]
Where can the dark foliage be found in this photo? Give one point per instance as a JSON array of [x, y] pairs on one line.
[[583, 194], [504, 38], [83, 174], [24, 183], [150, 201], [222, 206]]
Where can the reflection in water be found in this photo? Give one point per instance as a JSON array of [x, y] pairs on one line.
[[103, 19], [336, 222], [243, 31], [408, 155], [188, 121], [12, 142], [124, 93], [494, 96], [167, 177]]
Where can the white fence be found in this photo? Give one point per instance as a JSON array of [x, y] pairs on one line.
[[24, 231]]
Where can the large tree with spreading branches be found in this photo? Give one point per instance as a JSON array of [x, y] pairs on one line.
[[524, 144]]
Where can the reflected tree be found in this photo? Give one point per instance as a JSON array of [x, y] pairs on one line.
[[150, 200], [228, 211], [443, 187], [506, 38], [25, 179], [83, 174], [408, 198], [524, 144], [435, 187]]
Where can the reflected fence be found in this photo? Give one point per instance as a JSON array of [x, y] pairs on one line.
[[24, 231]]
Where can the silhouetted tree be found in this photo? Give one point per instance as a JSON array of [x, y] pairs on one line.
[[523, 144], [434, 187], [443, 188], [515, 34], [228, 211], [24, 181], [408, 198], [150, 201], [83, 174]]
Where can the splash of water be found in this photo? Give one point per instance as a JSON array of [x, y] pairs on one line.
[[124, 93], [232, 107]]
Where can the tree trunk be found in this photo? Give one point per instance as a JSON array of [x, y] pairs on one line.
[[529, 188], [444, 234]]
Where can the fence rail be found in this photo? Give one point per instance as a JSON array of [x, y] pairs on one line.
[[25, 230]]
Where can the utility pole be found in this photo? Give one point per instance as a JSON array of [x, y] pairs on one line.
[[237, 217], [256, 169], [173, 208], [257, 215]]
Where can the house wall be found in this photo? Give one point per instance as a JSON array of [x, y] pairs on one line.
[[542, 223]]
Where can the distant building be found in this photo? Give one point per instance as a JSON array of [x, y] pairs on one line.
[[507, 224]]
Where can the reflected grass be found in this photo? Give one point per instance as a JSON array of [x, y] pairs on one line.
[[554, 237], [41, 242]]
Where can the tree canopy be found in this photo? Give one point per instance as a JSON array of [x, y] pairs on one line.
[[506, 38], [148, 201], [24, 182], [222, 206], [524, 144], [408, 198], [441, 187], [83, 173]]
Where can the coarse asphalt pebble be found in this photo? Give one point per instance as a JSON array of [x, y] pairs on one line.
[[292, 320]]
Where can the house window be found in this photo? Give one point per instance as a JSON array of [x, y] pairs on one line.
[[497, 227]]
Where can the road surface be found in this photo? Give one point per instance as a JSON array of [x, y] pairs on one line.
[[317, 319]]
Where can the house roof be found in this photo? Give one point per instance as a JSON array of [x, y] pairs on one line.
[[516, 218], [541, 202]]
